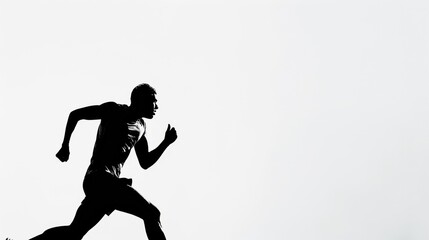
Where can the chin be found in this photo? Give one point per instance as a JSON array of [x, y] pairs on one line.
[[149, 116]]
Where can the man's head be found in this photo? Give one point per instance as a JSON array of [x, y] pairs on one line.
[[143, 100]]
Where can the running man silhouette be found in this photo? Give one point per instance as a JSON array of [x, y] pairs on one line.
[[121, 128]]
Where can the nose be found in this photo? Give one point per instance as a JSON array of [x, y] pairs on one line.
[[156, 106]]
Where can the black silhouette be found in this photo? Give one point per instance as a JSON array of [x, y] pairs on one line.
[[121, 128]]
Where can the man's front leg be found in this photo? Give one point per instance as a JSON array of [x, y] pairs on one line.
[[153, 230]]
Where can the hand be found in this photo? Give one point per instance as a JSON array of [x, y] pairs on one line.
[[63, 154], [170, 135]]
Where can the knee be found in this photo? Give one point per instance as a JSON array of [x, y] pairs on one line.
[[152, 213]]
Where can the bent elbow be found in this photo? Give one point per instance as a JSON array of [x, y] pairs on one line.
[[144, 165], [74, 115], [144, 160]]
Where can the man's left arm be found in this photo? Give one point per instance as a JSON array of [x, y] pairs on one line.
[[148, 158]]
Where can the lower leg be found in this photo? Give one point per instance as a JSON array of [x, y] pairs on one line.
[[53, 233], [86, 218], [154, 231]]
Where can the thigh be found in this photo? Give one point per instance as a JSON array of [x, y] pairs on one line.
[[112, 193], [130, 201]]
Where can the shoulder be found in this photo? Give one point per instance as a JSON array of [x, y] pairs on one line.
[[109, 109], [109, 105]]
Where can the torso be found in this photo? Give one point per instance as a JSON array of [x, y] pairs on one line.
[[116, 137]]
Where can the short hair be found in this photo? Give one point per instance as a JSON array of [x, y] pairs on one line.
[[142, 91]]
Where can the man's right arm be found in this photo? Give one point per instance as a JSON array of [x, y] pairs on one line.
[[87, 113]]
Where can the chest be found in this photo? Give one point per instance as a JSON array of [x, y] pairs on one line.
[[120, 131]]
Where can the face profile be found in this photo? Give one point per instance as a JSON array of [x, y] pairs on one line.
[[150, 107], [145, 107]]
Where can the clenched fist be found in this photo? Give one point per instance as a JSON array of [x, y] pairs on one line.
[[170, 135]]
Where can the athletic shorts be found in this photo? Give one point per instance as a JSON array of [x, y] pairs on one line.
[[104, 190]]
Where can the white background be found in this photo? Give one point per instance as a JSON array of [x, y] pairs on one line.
[[302, 120]]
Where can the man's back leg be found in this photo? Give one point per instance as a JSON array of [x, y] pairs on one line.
[[87, 216]]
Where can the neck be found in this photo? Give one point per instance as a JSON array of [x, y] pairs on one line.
[[133, 114]]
